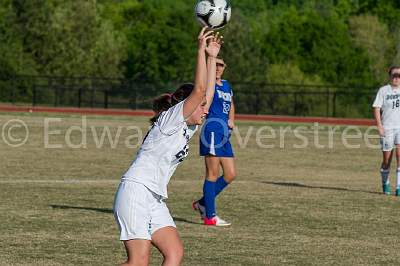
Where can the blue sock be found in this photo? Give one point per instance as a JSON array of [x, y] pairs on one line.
[[219, 186], [209, 198]]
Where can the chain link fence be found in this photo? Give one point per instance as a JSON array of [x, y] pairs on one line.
[[250, 98]]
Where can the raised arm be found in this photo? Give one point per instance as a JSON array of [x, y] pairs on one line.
[[199, 91], [211, 76], [212, 70]]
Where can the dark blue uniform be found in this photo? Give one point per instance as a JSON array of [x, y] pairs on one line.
[[215, 134]]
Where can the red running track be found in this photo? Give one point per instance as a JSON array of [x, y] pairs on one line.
[[148, 113]]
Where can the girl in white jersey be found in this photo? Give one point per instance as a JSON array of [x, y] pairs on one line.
[[139, 208], [387, 115]]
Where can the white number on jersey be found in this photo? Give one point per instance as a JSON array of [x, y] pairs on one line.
[[227, 108]]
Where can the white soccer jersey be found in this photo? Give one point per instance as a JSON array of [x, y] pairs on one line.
[[388, 99], [164, 147]]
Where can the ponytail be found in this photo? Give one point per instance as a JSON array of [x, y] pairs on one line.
[[165, 101], [160, 104], [181, 93]]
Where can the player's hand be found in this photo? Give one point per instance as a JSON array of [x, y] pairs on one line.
[[231, 124], [381, 131], [203, 37], [214, 45]]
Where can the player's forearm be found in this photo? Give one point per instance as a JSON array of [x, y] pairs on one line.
[[232, 112], [377, 115], [201, 74], [211, 77]]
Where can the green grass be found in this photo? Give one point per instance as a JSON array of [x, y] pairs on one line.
[[288, 206]]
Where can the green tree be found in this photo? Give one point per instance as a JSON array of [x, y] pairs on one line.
[[373, 36], [13, 59], [69, 38], [320, 45], [243, 50], [162, 41]]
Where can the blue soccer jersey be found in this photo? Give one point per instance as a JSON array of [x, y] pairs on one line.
[[215, 134], [218, 114]]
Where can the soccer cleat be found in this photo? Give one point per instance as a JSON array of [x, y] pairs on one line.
[[386, 189], [200, 208], [215, 221]]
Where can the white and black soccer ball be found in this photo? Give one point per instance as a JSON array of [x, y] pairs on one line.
[[214, 14]]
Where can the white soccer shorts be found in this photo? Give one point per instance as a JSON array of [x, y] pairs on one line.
[[391, 138], [139, 212]]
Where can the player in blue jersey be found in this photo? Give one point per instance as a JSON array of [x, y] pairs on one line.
[[216, 148]]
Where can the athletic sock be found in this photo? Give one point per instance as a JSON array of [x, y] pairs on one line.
[[209, 198], [219, 186], [385, 176]]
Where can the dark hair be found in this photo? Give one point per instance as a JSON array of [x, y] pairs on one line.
[[181, 93], [393, 68], [165, 101], [161, 104]]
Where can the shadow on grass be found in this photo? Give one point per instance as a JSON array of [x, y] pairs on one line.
[[104, 210], [294, 184], [177, 219]]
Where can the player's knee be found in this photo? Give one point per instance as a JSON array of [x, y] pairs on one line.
[[230, 176], [138, 260]]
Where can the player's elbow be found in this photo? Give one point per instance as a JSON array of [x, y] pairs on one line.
[[200, 91], [202, 87]]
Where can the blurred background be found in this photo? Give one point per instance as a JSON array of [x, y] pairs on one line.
[[285, 57]]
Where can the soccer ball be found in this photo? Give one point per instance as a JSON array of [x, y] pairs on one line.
[[213, 13]]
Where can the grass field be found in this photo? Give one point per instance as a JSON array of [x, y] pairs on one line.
[[288, 206]]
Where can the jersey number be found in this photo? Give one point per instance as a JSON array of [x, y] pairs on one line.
[[396, 104], [182, 154], [227, 108]]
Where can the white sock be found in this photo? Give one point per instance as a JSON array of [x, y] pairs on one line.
[[398, 177], [385, 176]]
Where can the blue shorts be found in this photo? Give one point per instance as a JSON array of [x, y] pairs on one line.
[[215, 143]]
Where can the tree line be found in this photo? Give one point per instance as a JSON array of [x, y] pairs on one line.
[[334, 42]]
